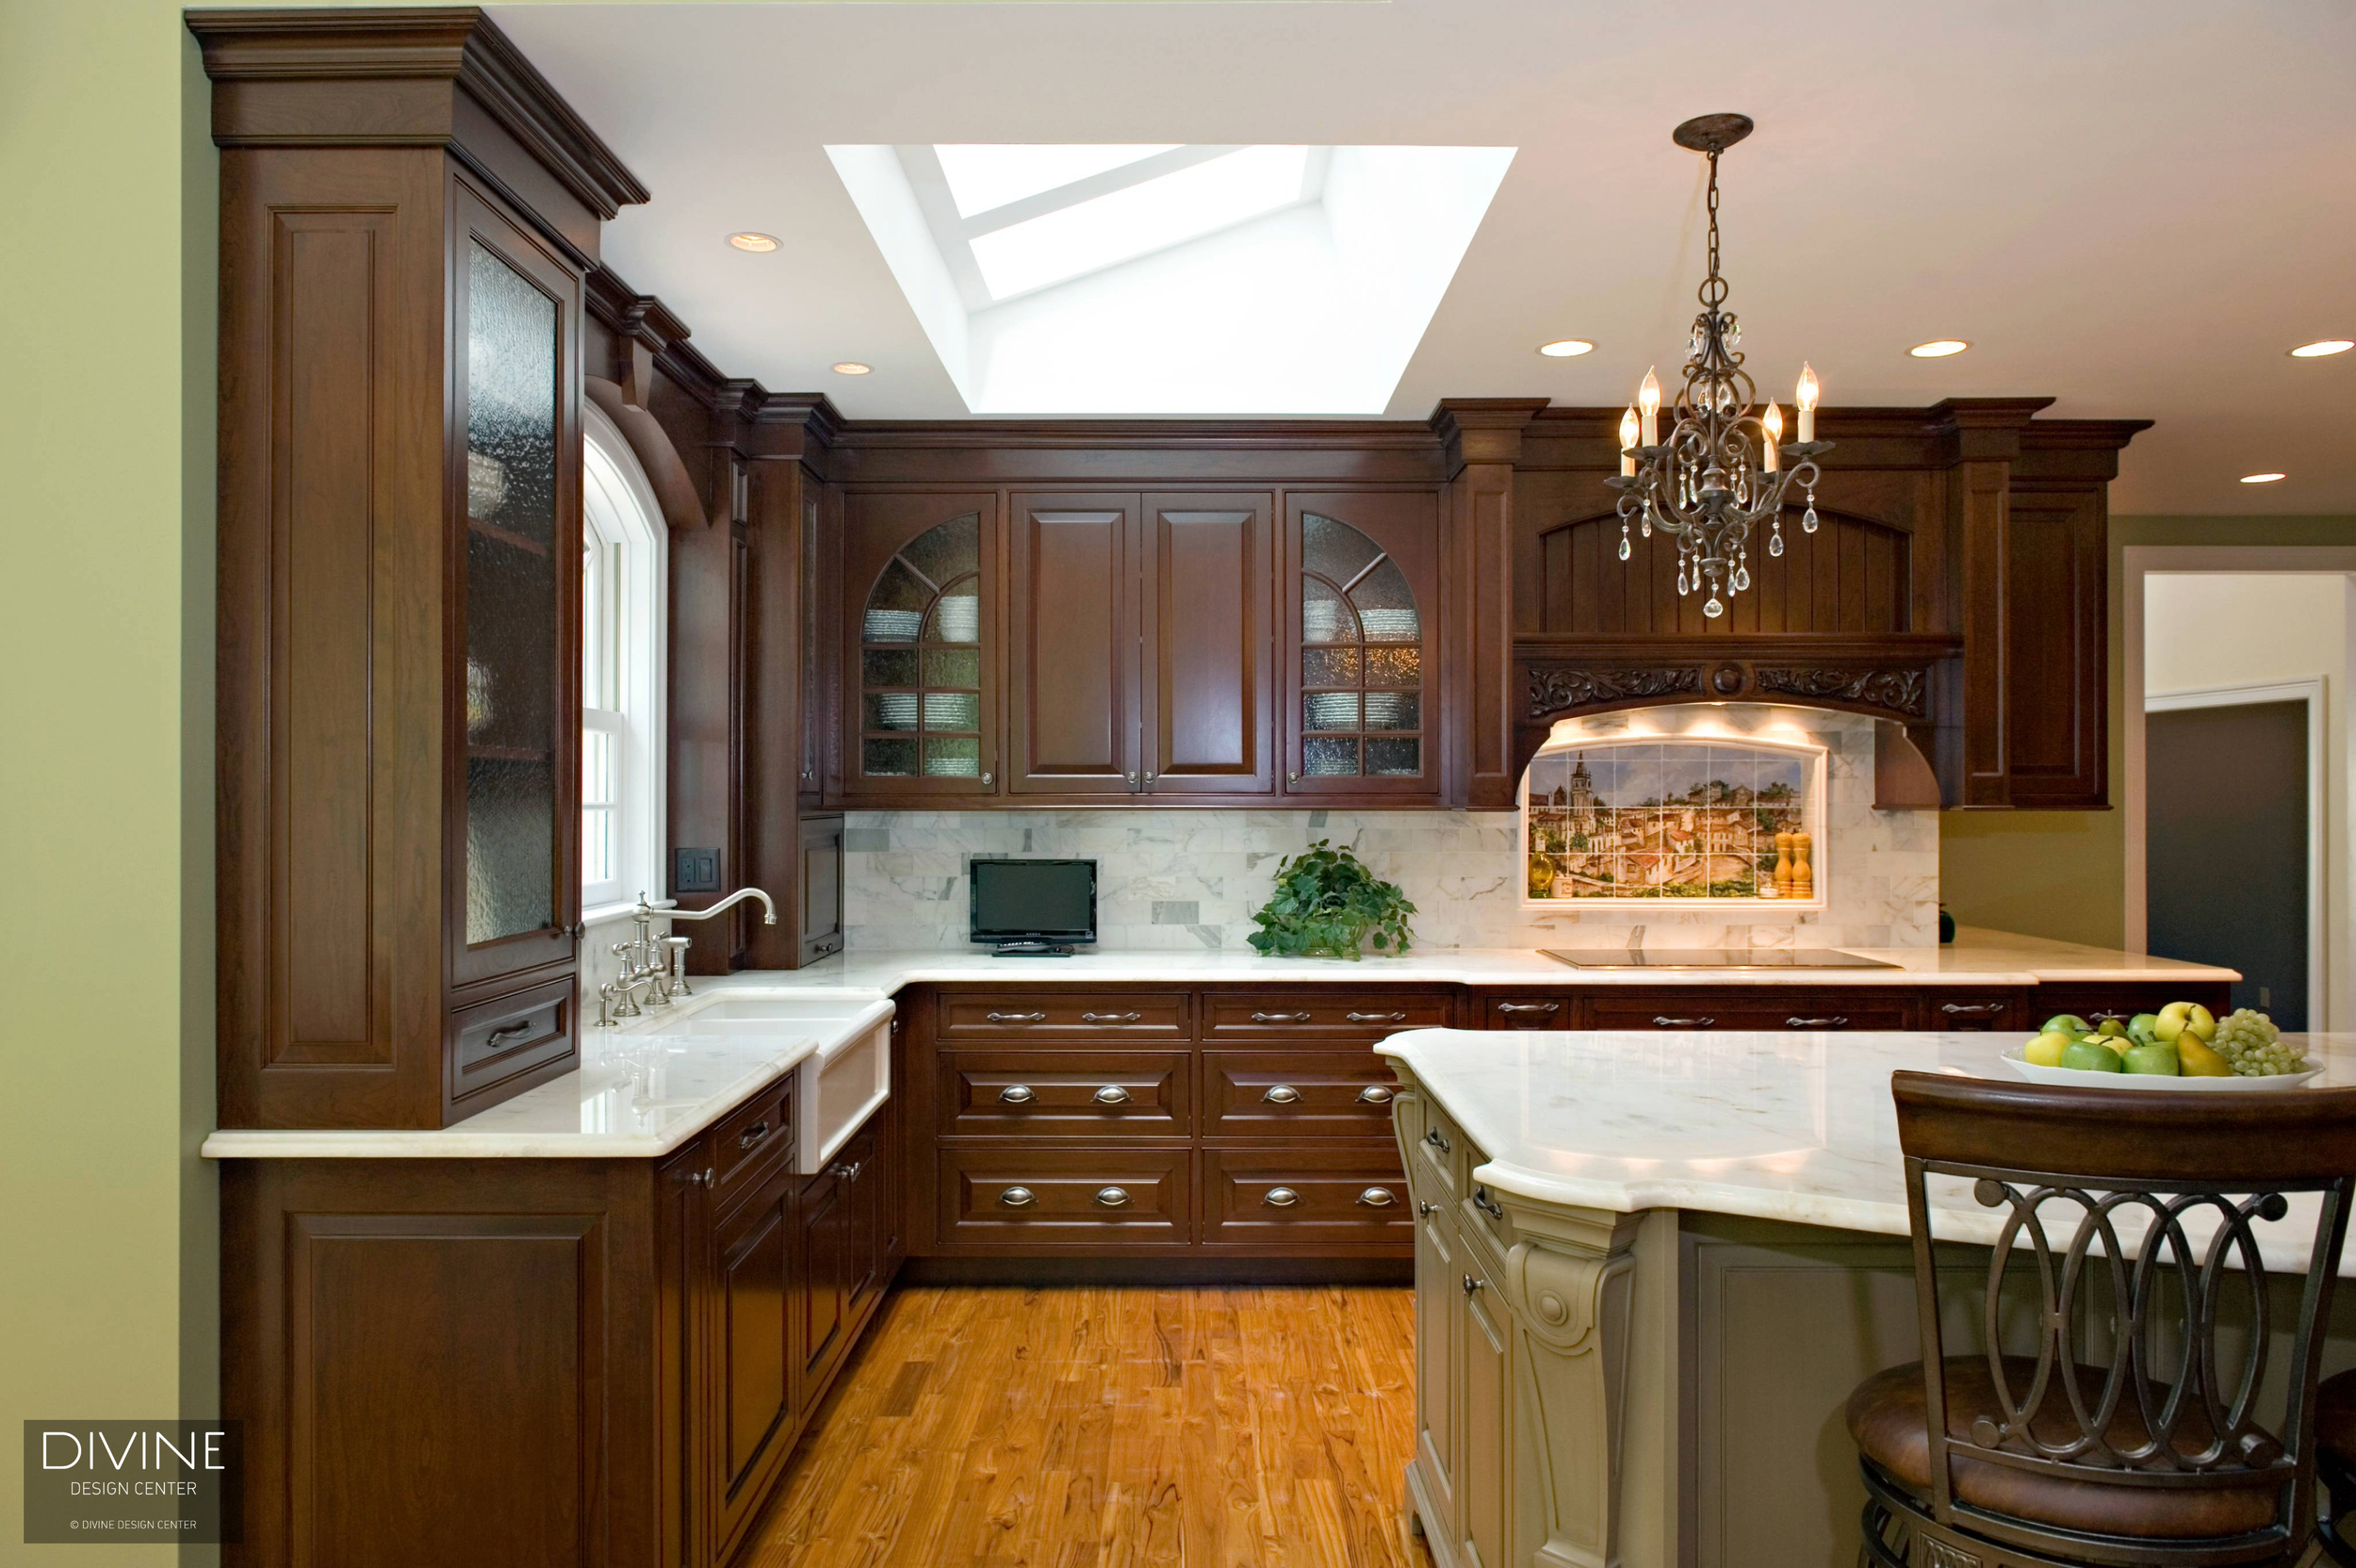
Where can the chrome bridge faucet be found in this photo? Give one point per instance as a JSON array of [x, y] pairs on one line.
[[658, 965]]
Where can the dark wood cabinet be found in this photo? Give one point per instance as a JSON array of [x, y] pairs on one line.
[[923, 582], [2058, 647], [1362, 631], [750, 1349], [1208, 639], [1074, 660]]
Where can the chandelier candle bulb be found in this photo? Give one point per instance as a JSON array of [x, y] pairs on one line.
[[1770, 454], [1628, 442], [1809, 392], [1648, 399]]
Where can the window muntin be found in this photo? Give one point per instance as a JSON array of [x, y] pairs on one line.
[[1664, 818], [623, 637], [1361, 658], [920, 659]]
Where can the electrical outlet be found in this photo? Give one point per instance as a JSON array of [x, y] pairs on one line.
[[694, 870]]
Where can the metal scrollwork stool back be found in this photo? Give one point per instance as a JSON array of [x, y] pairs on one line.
[[2142, 1428]]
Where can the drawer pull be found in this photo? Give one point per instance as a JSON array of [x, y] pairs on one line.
[[1112, 1094], [1972, 1009], [1281, 1094], [508, 1032], [1280, 1198], [1376, 1198], [1113, 1198], [1487, 1204], [1438, 1140], [1280, 1017], [1529, 1009], [1836, 1021], [1017, 1094], [1376, 1018], [1699, 1021], [1016, 1017], [1018, 1198], [1374, 1094], [753, 1135], [1110, 1017]]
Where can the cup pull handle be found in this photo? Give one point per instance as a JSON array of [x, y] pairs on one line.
[[1374, 1094], [1017, 1094], [1280, 1198], [1018, 1198], [1112, 1094], [1281, 1094], [1113, 1198], [1376, 1198]]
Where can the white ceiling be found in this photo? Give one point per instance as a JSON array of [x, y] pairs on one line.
[[2134, 206]]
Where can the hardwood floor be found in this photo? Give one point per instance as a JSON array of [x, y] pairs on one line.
[[1080, 1427]]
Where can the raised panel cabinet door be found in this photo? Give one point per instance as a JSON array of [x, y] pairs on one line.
[[1073, 656], [1485, 1462], [751, 1376], [1439, 1350], [513, 682], [2056, 605], [1361, 600], [857, 1167], [823, 1286], [921, 581], [1209, 641]]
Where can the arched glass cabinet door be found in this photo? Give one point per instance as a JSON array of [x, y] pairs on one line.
[[921, 718], [1365, 711]]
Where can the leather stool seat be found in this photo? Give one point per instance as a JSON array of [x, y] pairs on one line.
[[1889, 1421]]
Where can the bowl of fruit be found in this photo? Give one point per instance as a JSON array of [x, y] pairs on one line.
[[2183, 1046]]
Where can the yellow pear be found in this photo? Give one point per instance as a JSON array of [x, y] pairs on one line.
[[2198, 1061]]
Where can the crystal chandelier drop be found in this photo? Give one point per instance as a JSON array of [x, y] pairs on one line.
[[1723, 468]]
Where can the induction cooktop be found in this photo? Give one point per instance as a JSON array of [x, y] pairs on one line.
[[1713, 957]]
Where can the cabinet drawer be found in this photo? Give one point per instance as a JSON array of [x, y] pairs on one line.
[[1006, 1015], [495, 1040], [753, 1137], [1066, 1197], [1324, 1014], [1764, 1012], [1528, 1012], [1065, 1094], [1441, 1148], [1288, 1197], [1288, 1094]]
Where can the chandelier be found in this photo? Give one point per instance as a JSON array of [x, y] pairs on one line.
[[1723, 468]]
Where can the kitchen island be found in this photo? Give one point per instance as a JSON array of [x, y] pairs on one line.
[[1650, 1268]]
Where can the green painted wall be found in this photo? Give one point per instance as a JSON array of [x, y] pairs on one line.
[[2062, 874]]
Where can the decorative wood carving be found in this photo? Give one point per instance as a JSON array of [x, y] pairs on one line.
[[1906, 691], [1553, 691]]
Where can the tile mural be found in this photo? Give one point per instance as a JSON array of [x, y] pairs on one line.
[[1656, 819]]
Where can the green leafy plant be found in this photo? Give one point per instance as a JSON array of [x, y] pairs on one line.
[[1327, 905]]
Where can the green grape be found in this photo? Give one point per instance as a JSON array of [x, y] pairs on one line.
[[2253, 1048]]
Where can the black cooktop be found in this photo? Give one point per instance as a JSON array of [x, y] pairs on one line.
[[1713, 957]]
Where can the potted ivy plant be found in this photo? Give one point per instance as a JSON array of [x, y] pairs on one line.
[[1327, 905]]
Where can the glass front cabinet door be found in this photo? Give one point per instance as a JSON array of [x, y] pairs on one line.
[[512, 851], [1362, 601], [920, 712]]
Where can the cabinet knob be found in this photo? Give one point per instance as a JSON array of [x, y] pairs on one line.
[[987, 777], [1292, 777], [1471, 1284], [1374, 1094], [1281, 1094], [1376, 1018], [1018, 1198], [1016, 1017], [1426, 1210], [1017, 1094], [1377, 1198], [1112, 1094], [1113, 1198], [846, 1171], [1149, 780], [1280, 1198]]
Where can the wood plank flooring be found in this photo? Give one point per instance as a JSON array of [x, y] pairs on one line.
[[1084, 1426]]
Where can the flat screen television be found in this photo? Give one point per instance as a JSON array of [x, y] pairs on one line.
[[1034, 908]]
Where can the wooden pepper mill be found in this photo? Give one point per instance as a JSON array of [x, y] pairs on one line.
[[1783, 865], [1803, 874]]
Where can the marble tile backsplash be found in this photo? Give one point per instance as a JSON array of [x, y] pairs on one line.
[[1192, 878]]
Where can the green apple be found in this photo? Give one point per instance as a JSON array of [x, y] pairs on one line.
[[2046, 1050], [2087, 1056], [2144, 1026], [2112, 1027], [2154, 1058], [2115, 1045], [2066, 1023]]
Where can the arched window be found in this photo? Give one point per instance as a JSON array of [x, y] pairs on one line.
[[921, 659], [1361, 658], [624, 596]]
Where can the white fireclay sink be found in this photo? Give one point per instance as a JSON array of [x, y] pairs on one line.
[[837, 1086]]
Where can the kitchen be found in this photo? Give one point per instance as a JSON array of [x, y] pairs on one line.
[[720, 1044]]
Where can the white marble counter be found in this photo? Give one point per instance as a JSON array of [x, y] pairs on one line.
[[643, 1089], [1975, 959], [1788, 1126]]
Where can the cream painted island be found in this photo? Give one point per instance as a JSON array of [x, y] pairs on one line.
[[1649, 1269]]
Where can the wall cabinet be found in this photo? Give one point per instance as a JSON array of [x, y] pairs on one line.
[[921, 644], [1362, 601]]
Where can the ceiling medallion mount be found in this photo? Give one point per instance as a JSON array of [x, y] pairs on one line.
[[1725, 467]]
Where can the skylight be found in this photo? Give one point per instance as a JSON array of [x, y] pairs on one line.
[[1137, 219], [985, 175]]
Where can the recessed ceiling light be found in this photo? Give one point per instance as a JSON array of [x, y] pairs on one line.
[[1565, 348], [1938, 347], [2322, 347], [751, 241], [852, 367], [2260, 479]]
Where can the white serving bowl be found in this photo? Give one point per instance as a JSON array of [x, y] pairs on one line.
[[2079, 1078]]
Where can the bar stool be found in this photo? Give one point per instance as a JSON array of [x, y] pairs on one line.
[[2335, 1464], [2133, 1434]]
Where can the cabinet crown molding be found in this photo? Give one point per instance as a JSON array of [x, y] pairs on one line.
[[458, 45]]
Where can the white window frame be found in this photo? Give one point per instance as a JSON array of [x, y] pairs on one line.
[[621, 516]]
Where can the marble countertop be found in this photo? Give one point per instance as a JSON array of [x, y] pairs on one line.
[[1788, 1126], [1975, 959], [642, 1090]]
